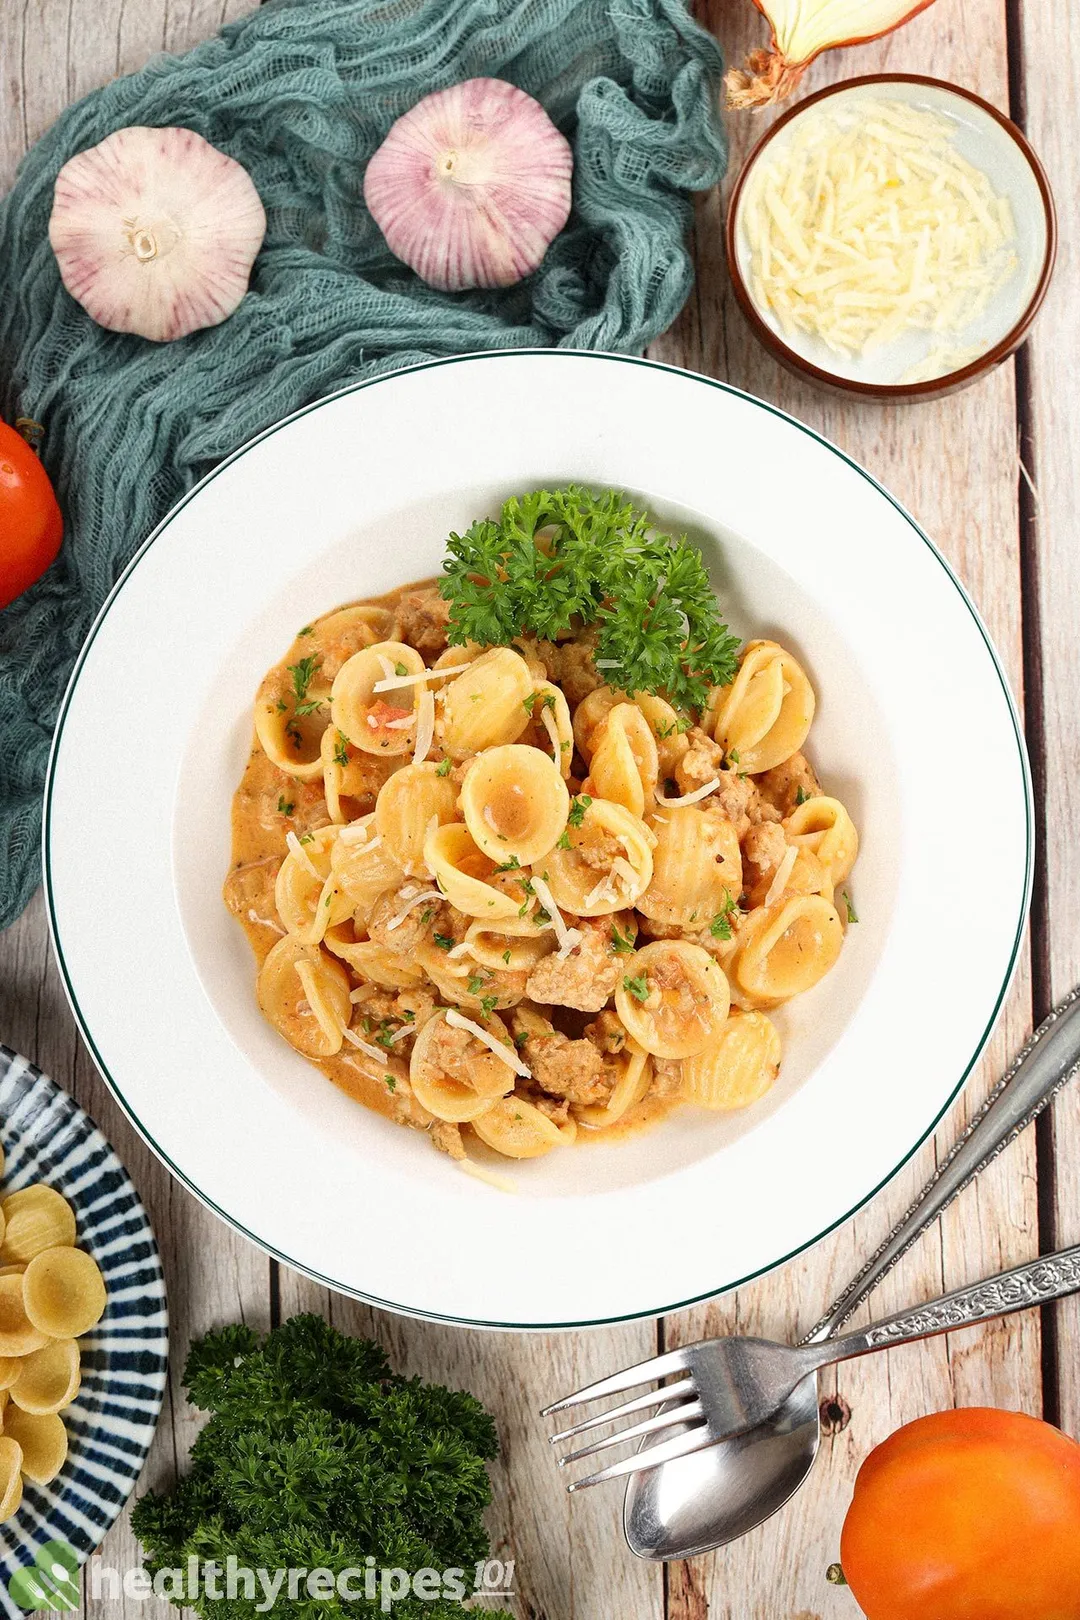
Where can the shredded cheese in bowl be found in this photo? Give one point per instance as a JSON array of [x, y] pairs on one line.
[[863, 224]]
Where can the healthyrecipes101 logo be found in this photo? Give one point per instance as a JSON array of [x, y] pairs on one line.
[[50, 1583]]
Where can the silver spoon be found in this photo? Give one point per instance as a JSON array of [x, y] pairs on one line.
[[703, 1501]]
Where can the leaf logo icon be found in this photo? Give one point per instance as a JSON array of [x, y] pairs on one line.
[[51, 1582]]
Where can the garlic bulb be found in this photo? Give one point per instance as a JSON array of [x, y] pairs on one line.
[[155, 232], [471, 187], [801, 30]]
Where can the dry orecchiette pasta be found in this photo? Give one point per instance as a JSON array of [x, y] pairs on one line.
[[481, 903]]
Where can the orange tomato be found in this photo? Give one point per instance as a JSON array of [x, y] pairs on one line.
[[31, 527], [967, 1515]]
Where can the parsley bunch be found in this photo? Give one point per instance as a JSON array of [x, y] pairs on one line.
[[556, 559], [317, 1455]]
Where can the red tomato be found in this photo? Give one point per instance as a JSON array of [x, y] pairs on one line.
[[30, 523], [967, 1515]]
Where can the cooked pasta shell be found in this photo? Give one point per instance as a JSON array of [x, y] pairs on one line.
[[454, 1075], [515, 944], [48, 1378], [517, 1129], [18, 1334], [304, 993], [737, 1068], [11, 1485], [550, 728], [608, 865], [36, 1218], [42, 1440], [630, 1088], [363, 865], [452, 976], [462, 871], [307, 891], [766, 712], [673, 998], [413, 798], [515, 803], [823, 826], [589, 717], [624, 763], [348, 630], [63, 1293], [378, 722], [487, 705], [785, 949], [290, 729], [375, 964], [697, 866], [348, 785]]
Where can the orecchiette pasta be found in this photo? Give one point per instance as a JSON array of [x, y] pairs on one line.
[[503, 902], [515, 803], [764, 716], [673, 998], [737, 1068]]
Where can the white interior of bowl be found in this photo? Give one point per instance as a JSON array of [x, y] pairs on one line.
[[990, 147], [357, 495]]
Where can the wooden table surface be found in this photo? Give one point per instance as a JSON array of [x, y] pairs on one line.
[[994, 475]]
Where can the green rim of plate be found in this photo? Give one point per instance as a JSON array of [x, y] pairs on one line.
[[722, 1287]]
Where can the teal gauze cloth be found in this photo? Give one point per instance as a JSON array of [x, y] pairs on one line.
[[301, 93]]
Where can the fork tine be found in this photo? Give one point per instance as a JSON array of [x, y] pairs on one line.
[[686, 1413], [643, 1373], [651, 1457], [670, 1392]]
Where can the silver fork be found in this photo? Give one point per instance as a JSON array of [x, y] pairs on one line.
[[730, 1385]]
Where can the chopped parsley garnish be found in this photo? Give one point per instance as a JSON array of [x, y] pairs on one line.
[[308, 707], [391, 1083], [386, 1034], [621, 945], [801, 795], [541, 917], [563, 840], [512, 865], [649, 595], [303, 673], [341, 750], [308, 630], [520, 1038], [475, 984], [506, 957], [425, 917], [852, 915], [578, 809], [443, 769], [281, 705], [488, 1005], [547, 701], [445, 942], [638, 988], [307, 838], [285, 806], [399, 668], [720, 927]]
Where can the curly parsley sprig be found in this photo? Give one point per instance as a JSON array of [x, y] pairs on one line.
[[557, 559]]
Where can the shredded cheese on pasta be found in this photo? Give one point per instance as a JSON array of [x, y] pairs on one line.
[[416, 900], [783, 872], [480, 1172], [865, 222], [392, 682], [687, 798], [356, 833], [550, 725], [296, 848], [458, 1021], [569, 938], [425, 726], [399, 725], [364, 1046]]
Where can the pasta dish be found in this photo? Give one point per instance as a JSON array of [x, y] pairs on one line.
[[522, 888]]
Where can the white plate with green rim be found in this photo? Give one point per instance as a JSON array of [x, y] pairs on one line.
[[355, 495]]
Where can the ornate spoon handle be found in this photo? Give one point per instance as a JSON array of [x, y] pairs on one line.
[[1050, 1277], [1047, 1062]]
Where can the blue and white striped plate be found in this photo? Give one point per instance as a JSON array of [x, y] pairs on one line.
[[47, 1137]]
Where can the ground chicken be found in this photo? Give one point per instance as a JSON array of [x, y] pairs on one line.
[[554, 1108], [607, 1033], [571, 665], [737, 795], [701, 763], [782, 786], [417, 927], [249, 893], [585, 979], [424, 616], [764, 847], [447, 1138], [666, 1077], [574, 1070]]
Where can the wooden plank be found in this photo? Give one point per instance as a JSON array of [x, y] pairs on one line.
[[569, 1559], [51, 53], [954, 465], [1050, 49]]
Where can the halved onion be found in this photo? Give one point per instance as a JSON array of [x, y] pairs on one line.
[[801, 30]]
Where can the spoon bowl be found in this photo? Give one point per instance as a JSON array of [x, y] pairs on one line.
[[703, 1501]]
